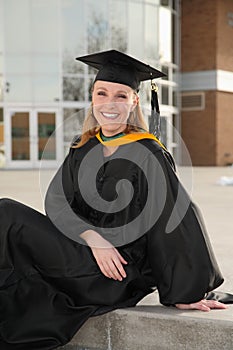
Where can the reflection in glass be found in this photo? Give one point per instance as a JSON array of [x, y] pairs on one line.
[[1, 115], [1, 62], [165, 70], [151, 32], [20, 143], [17, 30], [44, 26], [175, 38], [46, 88], [90, 88], [175, 5], [46, 128], [1, 133], [19, 89], [175, 98], [153, 2], [73, 120], [136, 30], [18, 63], [165, 34], [165, 95], [1, 28], [176, 137], [118, 10], [73, 89], [1, 88], [145, 93], [165, 2], [73, 35], [97, 25], [175, 75], [69, 65], [45, 64]]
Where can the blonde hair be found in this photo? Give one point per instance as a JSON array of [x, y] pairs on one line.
[[135, 123]]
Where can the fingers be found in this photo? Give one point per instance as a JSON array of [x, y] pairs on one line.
[[115, 270], [112, 270], [200, 306], [214, 304], [120, 268], [203, 305], [121, 257], [110, 263], [115, 265], [207, 305]]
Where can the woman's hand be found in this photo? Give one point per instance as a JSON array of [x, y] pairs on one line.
[[109, 260], [203, 305]]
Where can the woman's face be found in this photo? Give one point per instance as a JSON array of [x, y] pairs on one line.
[[112, 104]]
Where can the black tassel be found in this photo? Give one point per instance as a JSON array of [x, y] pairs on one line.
[[154, 120]]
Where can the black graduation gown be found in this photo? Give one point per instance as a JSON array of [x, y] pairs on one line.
[[49, 280]]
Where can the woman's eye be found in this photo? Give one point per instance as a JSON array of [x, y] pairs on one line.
[[122, 96], [101, 93]]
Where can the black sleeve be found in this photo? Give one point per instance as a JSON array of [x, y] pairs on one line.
[[59, 202], [180, 253]]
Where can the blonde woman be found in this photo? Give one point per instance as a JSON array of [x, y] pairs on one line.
[[118, 224]]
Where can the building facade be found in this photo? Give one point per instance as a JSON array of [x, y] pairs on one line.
[[207, 80], [44, 91]]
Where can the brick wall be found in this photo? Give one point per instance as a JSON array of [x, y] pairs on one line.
[[198, 38], [224, 118], [225, 35], [198, 129], [207, 44]]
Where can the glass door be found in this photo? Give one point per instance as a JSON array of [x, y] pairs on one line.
[[33, 139], [18, 129], [46, 136], [20, 136]]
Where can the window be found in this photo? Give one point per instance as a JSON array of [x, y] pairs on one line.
[[118, 29], [165, 32], [165, 100], [136, 30], [98, 30], [1, 115], [73, 35], [151, 32], [72, 125], [1, 87], [73, 89]]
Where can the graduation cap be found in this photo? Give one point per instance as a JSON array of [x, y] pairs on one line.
[[117, 67]]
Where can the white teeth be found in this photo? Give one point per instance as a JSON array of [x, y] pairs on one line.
[[110, 115]]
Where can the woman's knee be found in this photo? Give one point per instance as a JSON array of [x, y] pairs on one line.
[[5, 203], [8, 207]]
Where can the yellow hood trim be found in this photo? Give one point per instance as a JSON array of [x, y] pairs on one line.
[[128, 138]]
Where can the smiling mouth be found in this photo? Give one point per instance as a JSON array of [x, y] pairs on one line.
[[110, 115]]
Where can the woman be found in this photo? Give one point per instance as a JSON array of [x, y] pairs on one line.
[[118, 225]]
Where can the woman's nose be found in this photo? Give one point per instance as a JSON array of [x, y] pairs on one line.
[[111, 101]]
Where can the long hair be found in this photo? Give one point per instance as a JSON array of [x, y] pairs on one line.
[[135, 123]]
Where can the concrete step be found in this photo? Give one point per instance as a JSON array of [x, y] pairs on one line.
[[156, 327]]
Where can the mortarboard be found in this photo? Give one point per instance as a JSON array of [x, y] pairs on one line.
[[117, 67]]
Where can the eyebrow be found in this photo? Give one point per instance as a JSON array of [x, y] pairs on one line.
[[103, 88]]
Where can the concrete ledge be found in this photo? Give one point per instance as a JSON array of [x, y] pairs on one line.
[[147, 327]]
